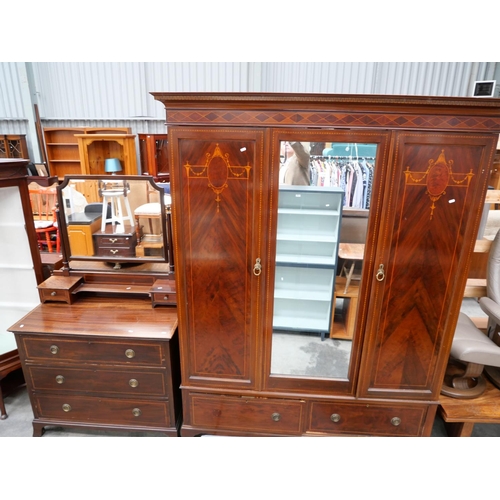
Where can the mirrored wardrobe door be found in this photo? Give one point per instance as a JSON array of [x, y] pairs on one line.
[[323, 208]]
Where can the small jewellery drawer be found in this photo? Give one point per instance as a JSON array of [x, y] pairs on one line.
[[165, 298], [47, 295], [250, 415], [115, 252], [163, 292], [103, 410], [91, 351], [116, 241], [366, 419], [132, 382]]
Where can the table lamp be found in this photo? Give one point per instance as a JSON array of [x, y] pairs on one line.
[[112, 165]]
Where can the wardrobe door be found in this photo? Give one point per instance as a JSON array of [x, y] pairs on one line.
[[217, 224], [432, 209]]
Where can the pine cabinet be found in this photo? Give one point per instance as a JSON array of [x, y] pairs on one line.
[[418, 170]]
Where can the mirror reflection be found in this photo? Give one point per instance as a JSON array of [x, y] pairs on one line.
[[323, 208], [115, 217]]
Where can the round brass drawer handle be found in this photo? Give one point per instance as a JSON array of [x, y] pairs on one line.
[[66, 407], [60, 379], [335, 417], [54, 349], [165, 297], [276, 417], [395, 421], [133, 382], [53, 294], [130, 353], [136, 412]]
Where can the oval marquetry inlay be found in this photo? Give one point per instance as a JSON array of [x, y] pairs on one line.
[[438, 178], [217, 172]]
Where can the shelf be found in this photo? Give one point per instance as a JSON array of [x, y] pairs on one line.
[[302, 260], [305, 325], [312, 212], [318, 238], [303, 295]]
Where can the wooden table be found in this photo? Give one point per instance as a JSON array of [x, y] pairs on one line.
[[351, 253], [460, 415]]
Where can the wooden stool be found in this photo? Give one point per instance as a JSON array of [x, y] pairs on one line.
[[351, 253], [350, 294]]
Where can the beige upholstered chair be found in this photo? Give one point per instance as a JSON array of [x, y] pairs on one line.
[[473, 349]]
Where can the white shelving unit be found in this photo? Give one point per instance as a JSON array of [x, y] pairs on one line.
[[19, 293], [307, 238]]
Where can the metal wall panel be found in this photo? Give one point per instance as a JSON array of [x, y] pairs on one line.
[[403, 78], [11, 104], [91, 90], [116, 94], [13, 126]]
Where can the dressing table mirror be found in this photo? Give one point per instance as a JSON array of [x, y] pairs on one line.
[[115, 222]]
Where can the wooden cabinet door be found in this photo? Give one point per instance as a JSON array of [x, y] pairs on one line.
[[432, 207], [218, 227]]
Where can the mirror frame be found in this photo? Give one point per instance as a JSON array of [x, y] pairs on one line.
[[63, 226]]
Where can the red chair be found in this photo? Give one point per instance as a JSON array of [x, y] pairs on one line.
[[43, 203]]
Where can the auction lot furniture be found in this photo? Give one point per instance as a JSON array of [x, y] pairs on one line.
[[425, 185]]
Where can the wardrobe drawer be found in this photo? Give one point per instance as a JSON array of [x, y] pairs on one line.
[[96, 410], [366, 419], [131, 382], [246, 415], [92, 351]]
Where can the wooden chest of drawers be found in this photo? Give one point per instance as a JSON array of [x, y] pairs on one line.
[[102, 363], [111, 243]]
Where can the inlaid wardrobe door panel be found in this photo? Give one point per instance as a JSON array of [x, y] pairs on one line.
[[433, 204], [216, 221]]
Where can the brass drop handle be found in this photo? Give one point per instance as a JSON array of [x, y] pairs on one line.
[[380, 273], [257, 268], [113, 240], [130, 353], [60, 379], [136, 412], [54, 349], [114, 252], [276, 417], [133, 382], [66, 407], [395, 421], [335, 417]]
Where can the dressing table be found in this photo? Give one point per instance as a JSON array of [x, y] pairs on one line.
[[98, 352]]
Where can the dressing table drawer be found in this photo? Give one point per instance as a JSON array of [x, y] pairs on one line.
[[127, 412], [92, 351], [258, 415], [124, 382], [163, 293], [367, 419]]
